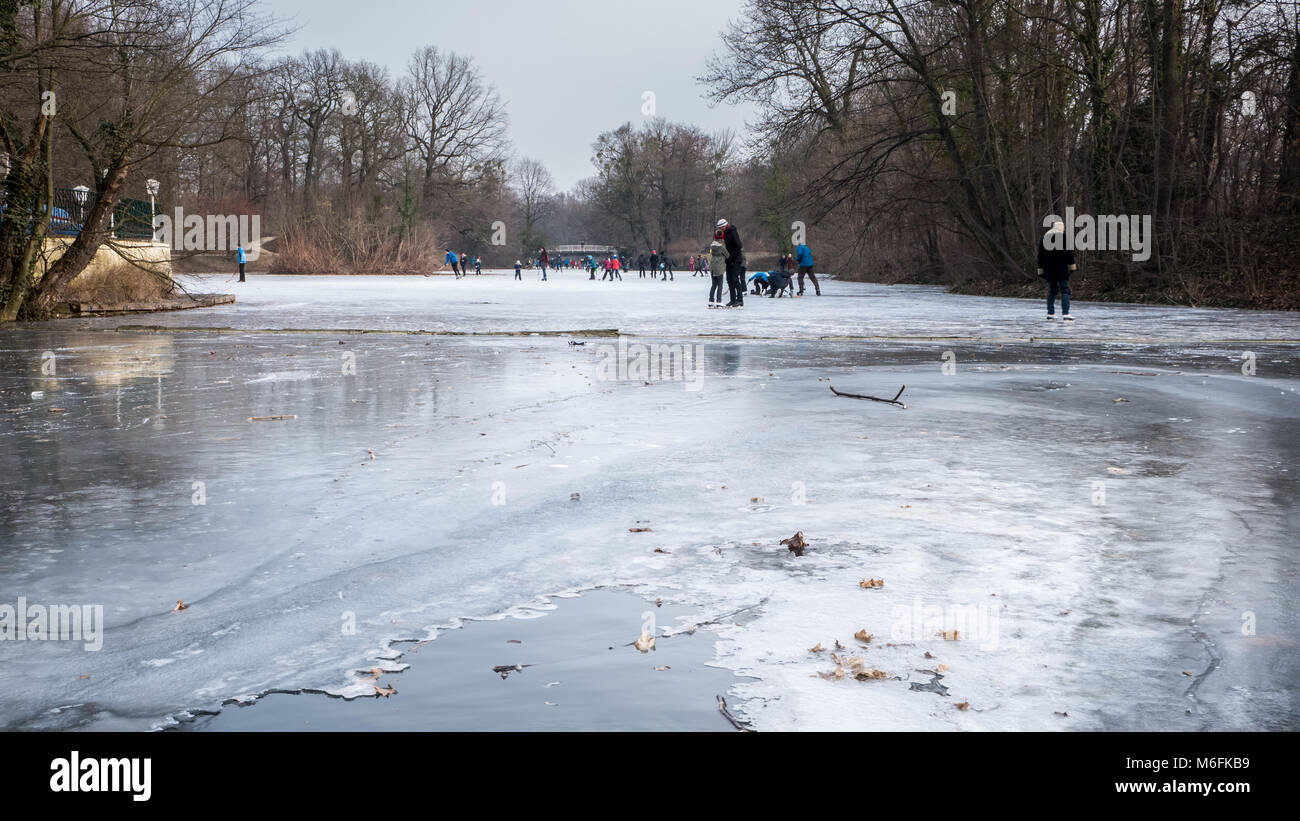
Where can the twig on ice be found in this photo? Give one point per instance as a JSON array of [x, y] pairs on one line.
[[893, 401], [722, 708]]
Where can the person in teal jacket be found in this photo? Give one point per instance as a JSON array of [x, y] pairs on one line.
[[453, 261], [241, 258], [804, 258]]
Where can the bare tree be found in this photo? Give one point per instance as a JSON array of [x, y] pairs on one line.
[[534, 189], [454, 119]]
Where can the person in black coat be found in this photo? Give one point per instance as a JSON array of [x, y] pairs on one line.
[[735, 263], [1054, 265], [778, 282]]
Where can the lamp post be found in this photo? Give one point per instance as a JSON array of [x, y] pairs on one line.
[[82, 195], [112, 212], [152, 187]]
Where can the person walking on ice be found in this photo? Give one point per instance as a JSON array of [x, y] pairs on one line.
[[544, 259], [241, 258], [1055, 262], [519, 267]]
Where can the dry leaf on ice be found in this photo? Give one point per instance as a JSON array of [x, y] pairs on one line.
[[796, 543], [863, 636], [862, 672], [942, 668], [866, 583], [962, 705], [180, 605], [949, 635], [817, 648], [646, 643], [638, 530], [384, 691]]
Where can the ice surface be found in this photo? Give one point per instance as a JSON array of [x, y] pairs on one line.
[[979, 498]]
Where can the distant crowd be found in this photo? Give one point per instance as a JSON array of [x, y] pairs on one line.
[[722, 261]]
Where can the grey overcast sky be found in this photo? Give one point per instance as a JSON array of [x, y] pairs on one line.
[[567, 69]]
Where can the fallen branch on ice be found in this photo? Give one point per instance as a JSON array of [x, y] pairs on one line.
[[893, 401], [722, 708]]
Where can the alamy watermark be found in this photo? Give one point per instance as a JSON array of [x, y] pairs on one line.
[[651, 363], [54, 622], [956, 622], [1103, 232], [210, 232]]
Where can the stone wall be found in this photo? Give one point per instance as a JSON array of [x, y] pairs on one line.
[[109, 259]]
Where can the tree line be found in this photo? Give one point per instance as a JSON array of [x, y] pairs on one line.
[[921, 141], [929, 140]]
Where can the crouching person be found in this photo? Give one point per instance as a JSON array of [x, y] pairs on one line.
[[779, 283]]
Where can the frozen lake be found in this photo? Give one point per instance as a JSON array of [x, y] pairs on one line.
[[1105, 514]]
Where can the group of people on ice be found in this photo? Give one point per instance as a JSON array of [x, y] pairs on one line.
[[723, 259], [726, 258], [460, 263]]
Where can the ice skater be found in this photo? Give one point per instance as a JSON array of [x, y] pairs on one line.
[[1055, 265], [519, 268], [241, 258], [760, 281], [717, 255], [452, 260], [804, 259], [778, 283], [544, 259], [735, 263]]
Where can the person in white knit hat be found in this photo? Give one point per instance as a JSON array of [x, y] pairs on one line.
[[1054, 265]]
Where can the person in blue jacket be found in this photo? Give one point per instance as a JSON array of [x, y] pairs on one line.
[[804, 259], [760, 281], [241, 258], [453, 261]]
